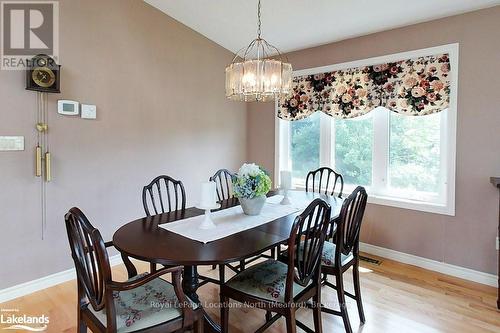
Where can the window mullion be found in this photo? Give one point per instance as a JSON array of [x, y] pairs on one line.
[[284, 160], [380, 151], [325, 133], [333, 163], [444, 158]]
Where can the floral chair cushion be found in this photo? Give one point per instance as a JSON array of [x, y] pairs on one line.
[[148, 305], [328, 255], [265, 280]]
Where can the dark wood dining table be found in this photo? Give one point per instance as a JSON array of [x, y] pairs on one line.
[[143, 239]]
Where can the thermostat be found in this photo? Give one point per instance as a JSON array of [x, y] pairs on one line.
[[67, 108], [89, 111]]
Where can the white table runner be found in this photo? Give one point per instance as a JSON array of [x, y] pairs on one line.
[[232, 220]]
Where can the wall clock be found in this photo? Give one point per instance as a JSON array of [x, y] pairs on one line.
[[43, 75]]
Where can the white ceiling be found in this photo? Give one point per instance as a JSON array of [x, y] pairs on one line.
[[297, 24]]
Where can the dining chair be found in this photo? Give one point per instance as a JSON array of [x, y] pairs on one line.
[[279, 287], [223, 179], [163, 194], [324, 180], [144, 303], [343, 254]]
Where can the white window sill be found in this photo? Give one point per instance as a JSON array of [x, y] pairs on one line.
[[401, 203], [411, 204]]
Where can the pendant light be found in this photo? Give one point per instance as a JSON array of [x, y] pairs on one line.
[[258, 72]]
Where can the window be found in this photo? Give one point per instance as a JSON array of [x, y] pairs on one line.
[[354, 149], [304, 146], [415, 155], [402, 161]]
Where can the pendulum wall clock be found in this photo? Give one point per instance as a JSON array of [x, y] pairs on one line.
[[43, 76]]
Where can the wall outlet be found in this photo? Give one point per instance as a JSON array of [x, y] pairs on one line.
[[498, 243]]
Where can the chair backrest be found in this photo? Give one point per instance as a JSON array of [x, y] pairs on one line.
[[305, 244], [349, 222], [324, 180], [163, 195], [90, 256], [223, 179]]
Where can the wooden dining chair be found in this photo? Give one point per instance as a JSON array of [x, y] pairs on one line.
[[325, 180], [163, 194], [343, 254], [144, 303], [278, 287], [223, 179]]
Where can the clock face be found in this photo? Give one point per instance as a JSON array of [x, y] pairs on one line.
[[43, 77]]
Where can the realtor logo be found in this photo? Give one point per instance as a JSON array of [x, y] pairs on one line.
[[28, 28], [11, 319]]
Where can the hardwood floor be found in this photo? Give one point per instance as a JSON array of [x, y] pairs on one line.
[[397, 298]]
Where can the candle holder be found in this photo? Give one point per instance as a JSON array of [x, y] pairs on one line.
[[208, 223], [286, 199], [286, 185]]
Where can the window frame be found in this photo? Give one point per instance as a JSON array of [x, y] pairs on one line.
[[380, 157]]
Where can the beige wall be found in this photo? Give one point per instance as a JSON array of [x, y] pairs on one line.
[[468, 239], [158, 87]]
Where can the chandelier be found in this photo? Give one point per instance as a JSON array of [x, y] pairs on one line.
[[258, 72]]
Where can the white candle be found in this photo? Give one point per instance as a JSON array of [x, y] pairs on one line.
[[286, 179], [208, 194]]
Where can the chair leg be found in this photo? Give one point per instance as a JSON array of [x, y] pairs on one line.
[[273, 253], [82, 326], [198, 325], [242, 265], [222, 274], [357, 292], [269, 316], [152, 267], [291, 326], [341, 297], [225, 314], [214, 266], [318, 326]]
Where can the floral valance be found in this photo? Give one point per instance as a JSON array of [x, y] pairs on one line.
[[415, 87]]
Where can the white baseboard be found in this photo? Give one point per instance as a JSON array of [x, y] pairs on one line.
[[432, 265], [45, 282]]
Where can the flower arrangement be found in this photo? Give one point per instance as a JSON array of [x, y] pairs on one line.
[[251, 181]]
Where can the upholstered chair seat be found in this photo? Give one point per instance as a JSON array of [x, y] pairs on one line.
[[327, 256], [148, 305], [264, 280]]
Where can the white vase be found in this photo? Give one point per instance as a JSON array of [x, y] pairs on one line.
[[252, 206]]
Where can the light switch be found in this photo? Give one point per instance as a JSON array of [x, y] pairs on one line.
[[11, 143], [89, 111]]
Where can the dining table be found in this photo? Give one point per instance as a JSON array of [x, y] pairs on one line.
[[144, 239]]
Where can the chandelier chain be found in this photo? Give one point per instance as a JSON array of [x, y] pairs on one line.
[[258, 21]]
